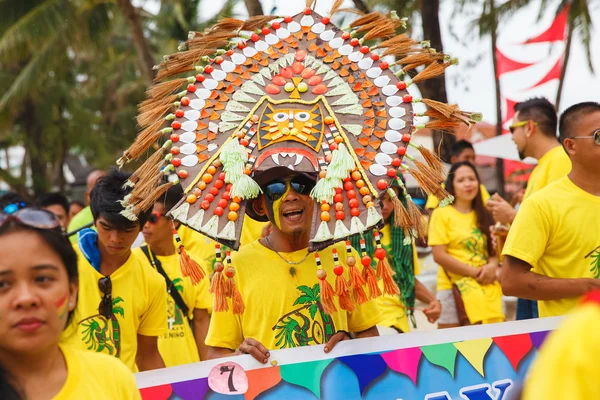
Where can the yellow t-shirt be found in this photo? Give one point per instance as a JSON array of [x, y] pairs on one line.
[[557, 232], [433, 202], [553, 165], [465, 242], [96, 377], [567, 365], [282, 301], [392, 308], [139, 307], [178, 345]]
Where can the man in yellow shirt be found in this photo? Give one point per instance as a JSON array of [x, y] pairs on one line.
[[188, 305], [121, 309], [277, 281], [553, 248], [534, 133], [461, 151]]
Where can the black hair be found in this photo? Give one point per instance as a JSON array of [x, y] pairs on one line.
[[484, 219], [13, 198], [540, 110], [77, 202], [172, 197], [569, 117], [459, 147], [106, 201], [50, 199], [57, 241]]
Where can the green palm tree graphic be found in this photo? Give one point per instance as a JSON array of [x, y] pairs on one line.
[[99, 336], [295, 329], [474, 245], [176, 319], [594, 256]]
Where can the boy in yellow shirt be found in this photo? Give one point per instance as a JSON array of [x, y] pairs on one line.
[[122, 301], [552, 249], [188, 305]]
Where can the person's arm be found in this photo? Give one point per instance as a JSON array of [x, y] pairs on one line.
[[201, 322], [451, 264], [248, 346], [147, 356], [518, 280], [434, 306], [501, 209], [340, 336]]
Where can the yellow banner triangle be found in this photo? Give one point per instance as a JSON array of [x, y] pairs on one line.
[[474, 351]]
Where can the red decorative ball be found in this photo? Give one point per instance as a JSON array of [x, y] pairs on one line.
[[222, 203], [208, 69], [375, 57], [353, 203], [244, 142], [255, 37], [338, 190], [380, 253], [338, 198], [338, 270], [339, 215], [191, 88], [229, 52], [214, 191], [183, 174], [384, 65], [174, 150], [346, 36], [174, 137], [241, 44], [382, 184], [276, 25], [200, 78], [179, 113], [265, 30], [348, 185], [222, 177], [229, 185], [205, 205], [407, 98], [185, 101], [354, 42], [176, 125], [396, 162], [226, 196], [219, 211], [391, 173], [406, 138], [219, 59], [351, 194], [209, 197], [287, 19], [219, 184], [325, 20], [364, 49], [307, 11], [176, 162], [401, 151], [401, 85], [333, 146], [355, 212], [348, 179], [365, 261]]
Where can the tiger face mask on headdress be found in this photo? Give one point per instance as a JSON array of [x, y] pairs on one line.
[[295, 92]]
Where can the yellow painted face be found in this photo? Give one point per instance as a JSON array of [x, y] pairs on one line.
[[291, 124]]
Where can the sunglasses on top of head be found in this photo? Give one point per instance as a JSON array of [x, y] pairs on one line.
[[277, 188], [595, 136], [32, 217]]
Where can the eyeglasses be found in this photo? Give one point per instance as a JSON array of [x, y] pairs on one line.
[[32, 217], [11, 208], [595, 135], [105, 307], [300, 184], [155, 217], [520, 124]]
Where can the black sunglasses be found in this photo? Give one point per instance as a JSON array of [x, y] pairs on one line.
[[105, 307], [32, 217], [155, 217], [300, 184]]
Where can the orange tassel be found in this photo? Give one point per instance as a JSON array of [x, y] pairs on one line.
[[237, 303], [386, 272], [217, 288], [228, 287], [327, 295], [371, 279], [342, 291], [356, 281], [189, 267]]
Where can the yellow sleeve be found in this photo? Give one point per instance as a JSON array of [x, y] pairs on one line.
[[438, 232], [153, 322], [432, 202], [128, 388], [567, 365], [204, 300], [528, 234], [225, 330], [485, 195], [416, 265]]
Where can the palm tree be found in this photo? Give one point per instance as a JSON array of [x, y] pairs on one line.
[[96, 331]]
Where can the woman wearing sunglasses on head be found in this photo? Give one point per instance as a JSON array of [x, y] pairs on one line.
[[38, 293]]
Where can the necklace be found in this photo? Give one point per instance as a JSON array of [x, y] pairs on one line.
[[280, 256]]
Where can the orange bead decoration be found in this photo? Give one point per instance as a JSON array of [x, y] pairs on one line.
[[325, 216], [234, 206], [338, 139], [339, 207], [360, 183], [356, 176], [329, 120], [201, 185], [207, 178], [364, 191], [191, 199], [232, 216], [211, 170], [370, 204], [325, 207], [322, 174]]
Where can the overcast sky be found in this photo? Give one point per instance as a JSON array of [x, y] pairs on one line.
[[471, 83]]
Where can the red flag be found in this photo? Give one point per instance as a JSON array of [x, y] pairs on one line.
[[556, 32], [506, 64], [554, 73]]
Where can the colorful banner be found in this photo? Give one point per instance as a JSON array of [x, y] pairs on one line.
[[481, 362]]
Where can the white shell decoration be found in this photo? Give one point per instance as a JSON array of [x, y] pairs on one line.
[[189, 126], [374, 72], [218, 75], [393, 101], [397, 112], [189, 161], [356, 56], [317, 28], [393, 136], [188, 137], [388, 148], [283, 33], [197, 104], [390, 90], [238, 58], [271, 39], [227, 66], [202, 94], [249, 51], [261, 45], [307, 20], [336, 43], [192, 115], [382, 80], [365, 63], [345, 49], [396, 123], [383, 159], [327, 35], [210, 84], [377, 170], [188, 148], [294, 27]]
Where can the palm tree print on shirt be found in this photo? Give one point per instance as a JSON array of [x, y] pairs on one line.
[[296, 329], [475, 245], [594, 257], [174, 314], [101, 337]]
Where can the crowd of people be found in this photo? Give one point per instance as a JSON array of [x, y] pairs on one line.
[[117, 290]]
